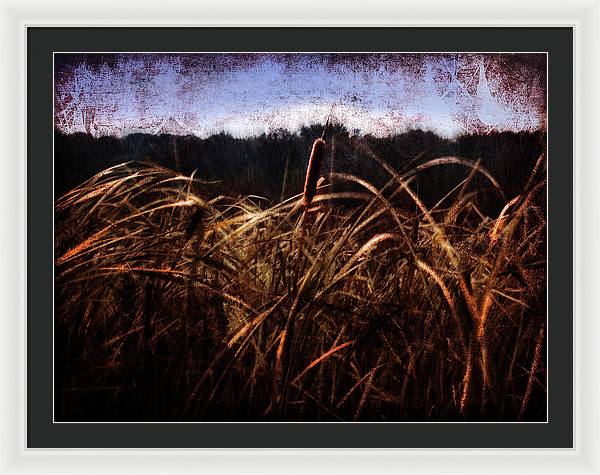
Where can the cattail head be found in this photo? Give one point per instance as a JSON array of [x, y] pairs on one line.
[[313, 172]]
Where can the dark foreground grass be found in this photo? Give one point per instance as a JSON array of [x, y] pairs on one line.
[[174, 304]]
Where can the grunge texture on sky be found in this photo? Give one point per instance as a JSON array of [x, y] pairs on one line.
[[250, 94]]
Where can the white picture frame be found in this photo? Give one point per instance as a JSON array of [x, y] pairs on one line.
[[16, 16]]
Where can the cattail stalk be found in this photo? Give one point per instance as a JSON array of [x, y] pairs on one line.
[[285, 177], [332, 160], [313, 172]]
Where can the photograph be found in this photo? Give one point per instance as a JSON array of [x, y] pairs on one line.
[[308, 237]]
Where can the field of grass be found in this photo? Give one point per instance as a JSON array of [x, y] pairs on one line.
[[175, 302]]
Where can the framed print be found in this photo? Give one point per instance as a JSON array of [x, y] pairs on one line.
[[254, 242]]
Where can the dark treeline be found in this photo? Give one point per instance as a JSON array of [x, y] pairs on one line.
[[273, 165]]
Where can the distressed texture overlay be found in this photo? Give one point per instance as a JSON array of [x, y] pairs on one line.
[[248, 94], [300, 237]]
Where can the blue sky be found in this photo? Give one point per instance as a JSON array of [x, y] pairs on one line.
[[251, 94]]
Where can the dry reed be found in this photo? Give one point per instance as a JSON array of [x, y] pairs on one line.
[[371, 318], [313, 171]]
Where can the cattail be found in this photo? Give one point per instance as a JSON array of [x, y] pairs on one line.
[[313, 171]]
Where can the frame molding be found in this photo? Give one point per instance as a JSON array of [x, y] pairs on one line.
[[584, 15]]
